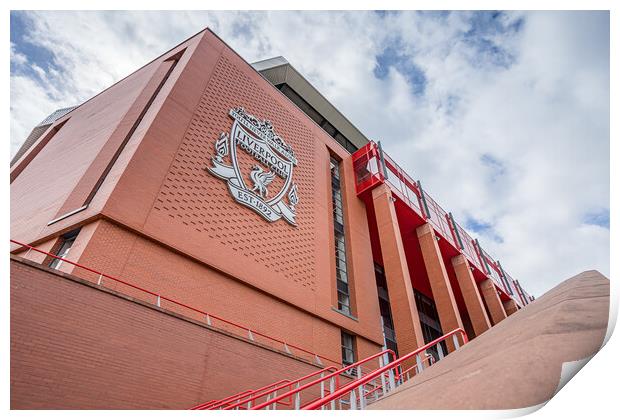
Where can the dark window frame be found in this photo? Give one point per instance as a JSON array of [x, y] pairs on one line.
[[385, 309], [316, 116], [348, 354], [65, 245], [343, 286]]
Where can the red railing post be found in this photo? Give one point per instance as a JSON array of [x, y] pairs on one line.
[[159, 297], [351, 387], [301, 388]]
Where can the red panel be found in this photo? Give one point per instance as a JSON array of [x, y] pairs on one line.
[[367, 168], [374, 232]]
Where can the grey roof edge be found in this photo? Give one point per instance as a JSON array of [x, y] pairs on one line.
[[38, 131], [56, 115], [270, 63], [326, 108]]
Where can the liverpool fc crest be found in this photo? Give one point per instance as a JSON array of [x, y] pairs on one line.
[[262, 176]]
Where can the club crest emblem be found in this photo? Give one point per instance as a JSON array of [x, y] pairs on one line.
[[260, 173]]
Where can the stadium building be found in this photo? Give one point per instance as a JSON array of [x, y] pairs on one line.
[[205, 227]]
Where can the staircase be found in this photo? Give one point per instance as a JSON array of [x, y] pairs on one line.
[[351, 387]]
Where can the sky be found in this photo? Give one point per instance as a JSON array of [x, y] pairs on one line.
[[503, 116]]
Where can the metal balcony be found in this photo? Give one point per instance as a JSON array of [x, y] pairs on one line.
[[373, 167]]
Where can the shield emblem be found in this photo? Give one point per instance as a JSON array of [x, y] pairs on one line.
[[254, 160], [261, 170]]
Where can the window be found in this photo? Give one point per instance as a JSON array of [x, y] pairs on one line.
[[348, 349], [345, 142], [429, 321], [342, 278], [65, 246], [329, 129], [301, 103], [316, 116], [385, 310]]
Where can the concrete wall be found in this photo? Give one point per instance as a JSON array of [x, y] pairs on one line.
[[520, 362]]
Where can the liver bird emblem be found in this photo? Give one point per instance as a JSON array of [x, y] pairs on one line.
[[261, 180]]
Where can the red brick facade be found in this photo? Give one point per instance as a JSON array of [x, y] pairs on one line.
[[75, 346], [171, 226], [129, 168]]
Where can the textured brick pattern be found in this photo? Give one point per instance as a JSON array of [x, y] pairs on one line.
[[81, 194], [473, 302], [86, 349], [197, 199], [118, 252], [497, 313], [449, 315], [510, 307], [164, 223], [404, 310], [42, 187]]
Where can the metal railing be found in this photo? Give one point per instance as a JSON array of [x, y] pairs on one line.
[[373, 166], [356, 390], [328, 384], [406, 375], [241, 397], [204, 316], [272, 392], [498, 275], [469, 247], [440, 220], [363, 384], [408, 189]]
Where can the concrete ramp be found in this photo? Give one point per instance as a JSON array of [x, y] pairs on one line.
[[518, 362]]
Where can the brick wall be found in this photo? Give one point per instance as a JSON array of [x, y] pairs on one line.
[[119, 252], [167, 195], [75, 346], [162, 222]]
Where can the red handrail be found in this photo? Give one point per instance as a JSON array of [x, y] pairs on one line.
[[393, 365], [428, 357], [318, 381], [267, 392], [164, 298], [212, 403], [199, 406], [244, 394]]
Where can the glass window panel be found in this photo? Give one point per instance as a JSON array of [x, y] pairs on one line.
[[348, 348], [302, 104], [330, 129], [340, 249], [341, 139], [63, 251]]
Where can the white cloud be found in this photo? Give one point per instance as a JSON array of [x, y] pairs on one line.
[[535, 100], [17, 58]]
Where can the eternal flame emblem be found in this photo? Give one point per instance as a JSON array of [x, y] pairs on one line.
[[275, 167]]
